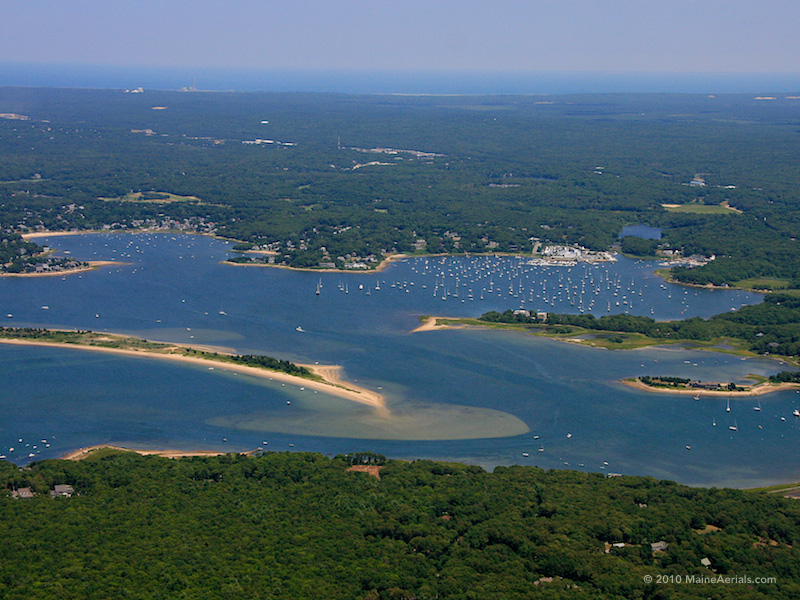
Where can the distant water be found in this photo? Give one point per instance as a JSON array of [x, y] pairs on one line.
[[641, 231], [574, 412], [393, 82]]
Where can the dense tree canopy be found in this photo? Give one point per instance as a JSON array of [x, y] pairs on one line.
[[335, 178], [770, 327], [301, 526]]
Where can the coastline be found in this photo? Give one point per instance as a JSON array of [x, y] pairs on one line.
[[430, 324], [41, 234], [756, 390], [385, 262], [93, 264], [331, 383], [381, 266], [83, 453]]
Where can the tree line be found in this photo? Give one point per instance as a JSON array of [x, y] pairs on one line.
[[299, 525], [506, 170]]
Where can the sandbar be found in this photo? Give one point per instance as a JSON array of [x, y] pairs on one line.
[[331, 374], [430, 324]]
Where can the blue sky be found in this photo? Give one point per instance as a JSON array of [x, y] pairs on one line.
[[732, 36]]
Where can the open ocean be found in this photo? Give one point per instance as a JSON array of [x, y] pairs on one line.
[[394, 82]]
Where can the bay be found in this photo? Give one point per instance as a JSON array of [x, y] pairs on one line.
[[478, 396]]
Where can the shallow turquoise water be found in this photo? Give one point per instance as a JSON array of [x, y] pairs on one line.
[[174, 288]]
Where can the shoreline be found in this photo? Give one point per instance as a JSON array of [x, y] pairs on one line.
[[385, 262], [93, 265], [40, 234], [430, 324], [381, 266], [331, 383], [85, 452], [757, 390]]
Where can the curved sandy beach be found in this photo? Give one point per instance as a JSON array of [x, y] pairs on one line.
[[430, 324], [41, 234], [82, 453], [332, 384], [756, 390]]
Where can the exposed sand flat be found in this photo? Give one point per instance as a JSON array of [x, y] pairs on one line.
[[430, 324], [756, 390], [332, 376], [334, 386]]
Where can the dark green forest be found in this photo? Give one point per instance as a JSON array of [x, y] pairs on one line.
[[329, 178], [298, 525]]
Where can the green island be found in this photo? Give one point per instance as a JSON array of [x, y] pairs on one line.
[[335, 181], [359, 526]]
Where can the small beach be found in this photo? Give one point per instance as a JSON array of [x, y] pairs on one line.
[[430, 324], [83, 453], [756, 390]]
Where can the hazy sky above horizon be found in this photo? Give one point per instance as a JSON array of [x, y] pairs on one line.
[[737, 36]]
